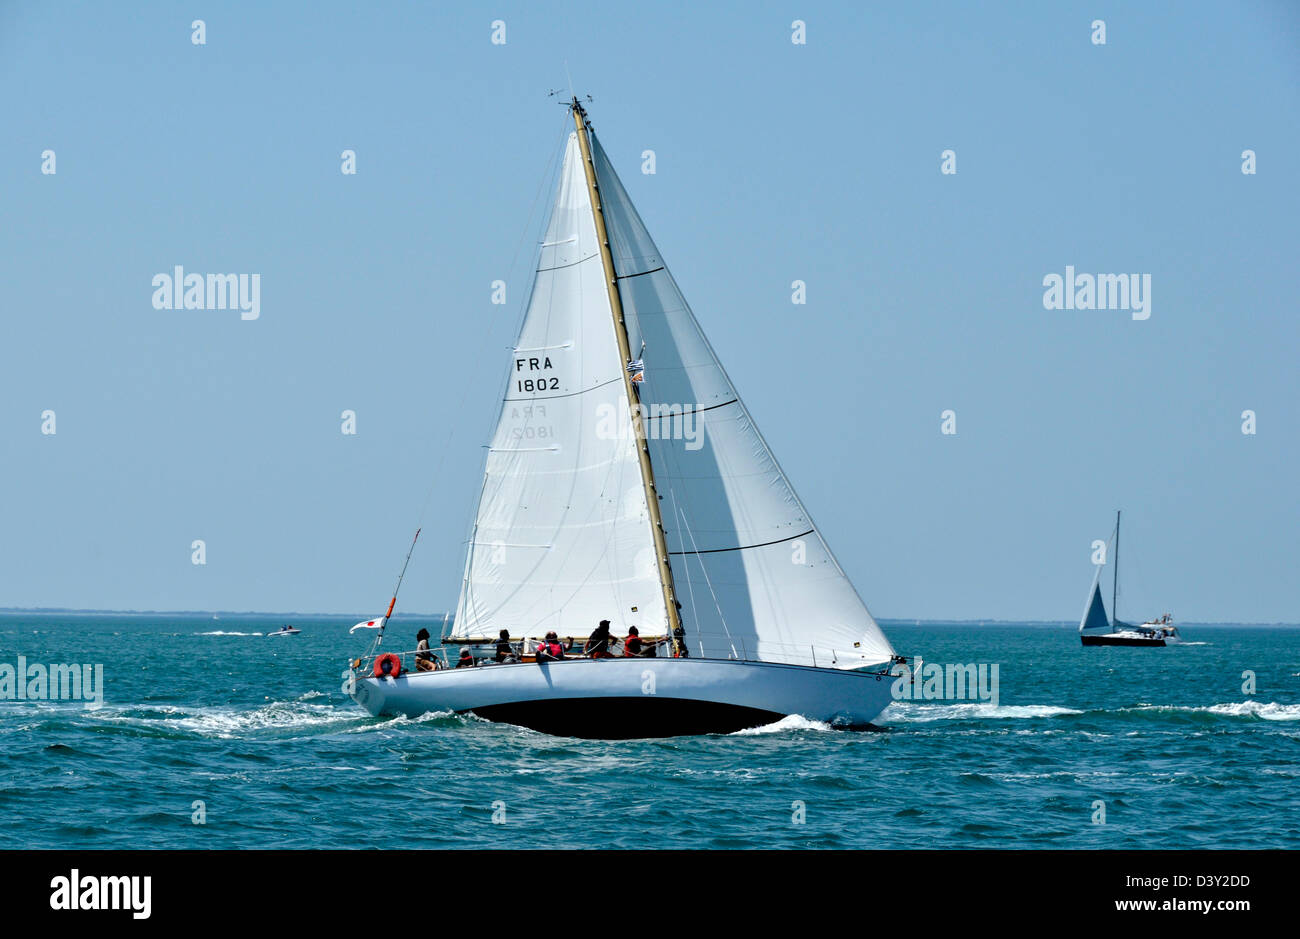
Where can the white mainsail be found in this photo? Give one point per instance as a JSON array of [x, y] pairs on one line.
[[562, 538], [751, 570]]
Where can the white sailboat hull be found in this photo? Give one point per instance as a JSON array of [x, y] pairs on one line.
[[629, 698]]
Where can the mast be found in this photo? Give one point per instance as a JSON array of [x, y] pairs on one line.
[[625, 352], [1114, 589]]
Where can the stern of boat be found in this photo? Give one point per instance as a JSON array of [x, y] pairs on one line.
[[369, 693]]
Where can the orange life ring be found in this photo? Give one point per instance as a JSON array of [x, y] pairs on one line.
[[388, 665]]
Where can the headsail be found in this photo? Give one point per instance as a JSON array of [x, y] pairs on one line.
[[562, 536], [1094, 617], [752, 572]]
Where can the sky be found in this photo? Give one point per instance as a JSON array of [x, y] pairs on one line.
[[775, 161]]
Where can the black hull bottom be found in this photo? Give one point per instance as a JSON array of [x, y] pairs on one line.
[[1113, 641], [627, 718]]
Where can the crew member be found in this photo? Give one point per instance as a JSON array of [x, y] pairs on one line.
[[632, 645], [505, 652], [550, 649], [424, 660], [598, 642]]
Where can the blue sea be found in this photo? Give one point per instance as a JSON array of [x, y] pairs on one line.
[[212, 735]]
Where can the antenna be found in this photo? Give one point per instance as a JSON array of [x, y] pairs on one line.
[[567, 101]]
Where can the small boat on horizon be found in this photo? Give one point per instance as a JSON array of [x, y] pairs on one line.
[[627, 482], [1096, 630]]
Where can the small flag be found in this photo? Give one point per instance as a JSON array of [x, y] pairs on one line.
[[636, 368], [369, 624]]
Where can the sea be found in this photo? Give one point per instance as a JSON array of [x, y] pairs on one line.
[[210, 734]]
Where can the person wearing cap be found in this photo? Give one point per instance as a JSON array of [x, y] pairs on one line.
[[466, 659], [598, 642], [424, 660], [550, 649]]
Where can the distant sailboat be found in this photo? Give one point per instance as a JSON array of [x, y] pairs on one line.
[[620, 487], [1094, 628]]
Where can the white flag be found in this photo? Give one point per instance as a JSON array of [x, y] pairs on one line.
[[369, 624]]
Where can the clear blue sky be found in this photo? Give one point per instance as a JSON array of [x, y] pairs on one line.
[[776, 162]]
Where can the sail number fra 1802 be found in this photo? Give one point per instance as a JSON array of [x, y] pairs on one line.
[[542, 382]]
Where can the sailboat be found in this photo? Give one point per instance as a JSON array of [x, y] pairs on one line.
[[1096, 630], [633, 488]]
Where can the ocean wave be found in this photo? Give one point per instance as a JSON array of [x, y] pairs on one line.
[[788, 723], [222, 632], [1268, 711], [400, 720], [232, 722], [228, 722], [972, 710]]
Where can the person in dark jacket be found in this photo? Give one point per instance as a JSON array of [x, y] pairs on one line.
[[599, 641], [505, 652]]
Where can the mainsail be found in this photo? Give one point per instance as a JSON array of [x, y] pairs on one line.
[[562, 538]]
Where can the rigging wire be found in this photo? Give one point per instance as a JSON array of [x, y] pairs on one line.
[[721, 616]]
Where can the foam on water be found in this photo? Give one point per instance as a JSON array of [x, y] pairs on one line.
[[791, 722], [973, 710], [1269, 711], [401, 720], [229, 722]]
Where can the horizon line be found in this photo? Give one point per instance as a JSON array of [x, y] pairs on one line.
[[895, 620]]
